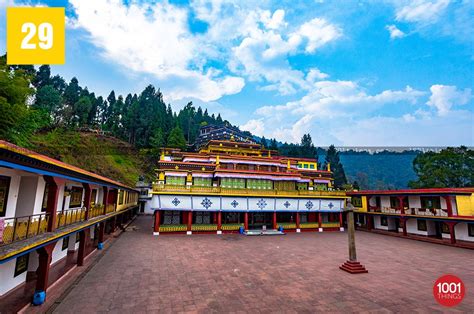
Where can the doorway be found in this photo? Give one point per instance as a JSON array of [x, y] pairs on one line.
[[258, 220]]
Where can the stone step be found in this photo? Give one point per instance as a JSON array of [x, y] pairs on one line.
[[260, 232]]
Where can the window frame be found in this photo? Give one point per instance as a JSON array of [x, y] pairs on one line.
[[6, 192]]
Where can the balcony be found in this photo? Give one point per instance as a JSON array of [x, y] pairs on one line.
[[411, 211], [165, 188]]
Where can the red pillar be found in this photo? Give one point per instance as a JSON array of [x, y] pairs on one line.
[[369, 222], [156, 227], [87, 199], [449, 206], [219, 221], [84, 236], [340, 219], [275, 220], [320, 220], [45, 254], [400, 204], [100, 244], [297, 220], [403, 223], [190, 220], [105, 198], [452, 232], [52, 203], [246, 221]]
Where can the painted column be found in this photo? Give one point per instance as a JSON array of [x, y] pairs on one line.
[[275, 220], [246, 221], [369, 222], [403, 222], [105, 198], [87, 199], [190, 222], [219, 222], [84, 236], [45, 254], [100, 245], [320, 219], [156, 227], [113, 223], [52, 203], [400, 204], [297, 215], [449, 206], [341, 227], [452, 232]]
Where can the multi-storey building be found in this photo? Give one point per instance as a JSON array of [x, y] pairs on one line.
[[438, 213], [229, 185], [51, 212]]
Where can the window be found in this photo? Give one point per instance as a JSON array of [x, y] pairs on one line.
[[4, 188], [301, 186], [394, 202], [76, 197], [311, 166], [202, 181], [430, 202], [93, 196], [231, 217], [303, 217], [171, 217], [421, 225], [21, 265], [470, 230], [65, 243], [202, 218], [174, 180], [383, 221], [44, 205], [258, 184], [78, 238], [444, 228], [305, 166], [356, 201], [121, 195]]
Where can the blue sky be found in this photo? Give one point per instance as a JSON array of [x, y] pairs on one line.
[[383, 73]]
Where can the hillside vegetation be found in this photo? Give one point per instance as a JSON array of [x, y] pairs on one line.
[[107, 156]]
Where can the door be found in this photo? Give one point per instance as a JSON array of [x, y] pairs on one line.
[[258, 220]]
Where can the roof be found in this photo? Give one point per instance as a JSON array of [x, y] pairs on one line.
[[38, 161], [415, 191]]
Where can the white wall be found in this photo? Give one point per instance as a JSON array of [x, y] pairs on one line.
[[12, 191], [58, 253], [412, 227], [390, 223], [7, 281], [73, 245], [30, 196], [385, 201], [414, 202], [461, 232]]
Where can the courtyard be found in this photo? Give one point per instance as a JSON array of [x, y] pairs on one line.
[[292, 273]]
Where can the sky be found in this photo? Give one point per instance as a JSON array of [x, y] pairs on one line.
[[350, 73]]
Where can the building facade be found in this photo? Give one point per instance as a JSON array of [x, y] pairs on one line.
[[49, 212], [220, 133], [442, 213], [229, 185]]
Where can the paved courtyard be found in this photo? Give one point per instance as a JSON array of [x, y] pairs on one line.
[[292, 273]]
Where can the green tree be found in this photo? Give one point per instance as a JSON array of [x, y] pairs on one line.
[[176, 138], [263, 142], [332, 158], [273, 145], [307, 147], [43, 77], [81, 109], [451, 167], [48, 100]]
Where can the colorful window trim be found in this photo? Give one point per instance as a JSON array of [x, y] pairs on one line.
[[233, 183], [202, 181], [121, 197], [356, 201], [4, 189], [175, 180], [75, 197]]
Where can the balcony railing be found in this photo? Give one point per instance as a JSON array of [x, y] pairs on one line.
[[411, 211], [96, 210], [70, 216], [222, 190], [20, 228]]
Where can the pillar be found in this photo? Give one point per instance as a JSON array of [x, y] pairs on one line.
[[297, 215], [369, 222], [84, 236], [452, 232], [100, 245], [113, 223], [156, 226], [105, 198], [320, 220], [219, 222], [246, 221], [87, 199], [45, 254], [190, 222], [400, 205], [275, 220], [449, 206], [403, 222], [52, 203], [341, 226], [368, 202]]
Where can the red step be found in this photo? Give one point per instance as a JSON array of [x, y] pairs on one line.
[[353, 267]]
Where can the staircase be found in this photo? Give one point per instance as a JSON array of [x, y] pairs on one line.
[[260, 232]]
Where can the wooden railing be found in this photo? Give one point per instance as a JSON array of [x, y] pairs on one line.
[[222, 190], [68, 217], [20, 228]]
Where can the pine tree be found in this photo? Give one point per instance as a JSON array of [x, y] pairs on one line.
[[263, 142], [332, 158], [176, 138]]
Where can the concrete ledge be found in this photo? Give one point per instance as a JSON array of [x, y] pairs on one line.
[[156, 233]]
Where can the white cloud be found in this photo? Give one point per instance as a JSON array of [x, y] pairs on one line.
[[155, 39], [318, 32], [444, 97], [422, 11], [395, 32], [255, 126]]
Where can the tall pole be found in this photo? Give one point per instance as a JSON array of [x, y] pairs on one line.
[[352, 266]]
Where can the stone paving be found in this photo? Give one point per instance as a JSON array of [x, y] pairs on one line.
[[292, 273]]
